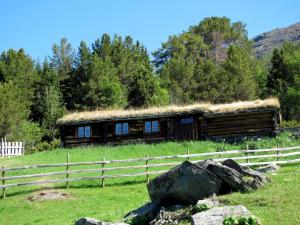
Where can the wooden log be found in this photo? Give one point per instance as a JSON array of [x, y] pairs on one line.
[[79, 178], [3, 182], [147, 169], [102, 172], [67, 171], [55, 165]]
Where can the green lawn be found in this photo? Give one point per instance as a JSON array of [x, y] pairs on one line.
[[277, 203]]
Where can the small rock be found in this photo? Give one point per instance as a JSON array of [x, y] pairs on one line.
[[216, 215], [91, 221], [142, 215], [210, 202], [271, 168]]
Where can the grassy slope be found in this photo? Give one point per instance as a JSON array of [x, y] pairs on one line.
[[278, 203]]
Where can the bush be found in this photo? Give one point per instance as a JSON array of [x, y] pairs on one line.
[[290, 123], [45, 146], [199, 208], [242, 220]]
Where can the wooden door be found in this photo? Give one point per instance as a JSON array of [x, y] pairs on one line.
[[185, 128]]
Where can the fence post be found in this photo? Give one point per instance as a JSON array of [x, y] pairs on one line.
[[147, 169], [188, 152], [3, 182], [67, 171], [277, 159], [2, 152], [102, 172], [247, 148], [23, 147]]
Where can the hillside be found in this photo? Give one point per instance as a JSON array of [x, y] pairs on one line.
[[267, 41]]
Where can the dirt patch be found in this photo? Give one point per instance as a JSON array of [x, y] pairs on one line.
[[47, 195]]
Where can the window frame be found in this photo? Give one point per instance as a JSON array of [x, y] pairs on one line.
[[84, 132], [157, 130], [187, 121], [121, 129]]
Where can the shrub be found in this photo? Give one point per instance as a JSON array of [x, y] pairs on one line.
[[241, 220], [199, 208], [290, 123]]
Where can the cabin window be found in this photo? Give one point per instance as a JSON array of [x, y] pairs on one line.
[[151, 126], [121, 128], [189, 120], [84, 132]]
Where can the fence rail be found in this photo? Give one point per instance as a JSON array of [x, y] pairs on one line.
[[285, 155], [9, 149]]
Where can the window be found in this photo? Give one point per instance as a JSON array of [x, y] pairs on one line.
[[188, 120], [84, 132], [121, 128], [151, 126]]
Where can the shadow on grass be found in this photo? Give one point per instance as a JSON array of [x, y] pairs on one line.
[[91, 185]]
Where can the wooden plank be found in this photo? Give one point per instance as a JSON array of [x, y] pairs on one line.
[[55, 165], [79, 178]]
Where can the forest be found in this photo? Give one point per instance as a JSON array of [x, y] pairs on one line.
[[209, 62]]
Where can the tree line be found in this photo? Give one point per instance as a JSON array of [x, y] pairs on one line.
[[212, 61]]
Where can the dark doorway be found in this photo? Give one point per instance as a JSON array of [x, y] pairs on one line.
[[185, 128]]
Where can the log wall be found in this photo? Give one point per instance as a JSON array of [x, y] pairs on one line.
[[242, 124], [258, 123]]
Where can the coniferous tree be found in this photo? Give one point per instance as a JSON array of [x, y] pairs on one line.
[[104, 88], [63, 61]]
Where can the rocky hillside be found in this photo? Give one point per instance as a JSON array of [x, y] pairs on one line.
[[267, 41]]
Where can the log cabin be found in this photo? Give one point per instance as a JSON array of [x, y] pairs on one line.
[[190, 122]]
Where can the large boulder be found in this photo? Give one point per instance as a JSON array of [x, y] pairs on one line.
[[91, 221], [183, 184], [216, 215], [142, 215], [235, 177]]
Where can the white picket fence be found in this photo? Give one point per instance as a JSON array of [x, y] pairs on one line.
[[9, 149]]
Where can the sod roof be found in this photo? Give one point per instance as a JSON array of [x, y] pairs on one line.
[[165, 111]]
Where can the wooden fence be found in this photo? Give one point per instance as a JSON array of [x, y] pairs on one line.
[[287, 155], [9, 149]]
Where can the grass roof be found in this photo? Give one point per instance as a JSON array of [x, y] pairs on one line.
[[205, 108]]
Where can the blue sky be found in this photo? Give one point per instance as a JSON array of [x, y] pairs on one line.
[[36, 24]]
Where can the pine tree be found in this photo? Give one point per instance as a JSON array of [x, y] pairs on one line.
[[63, 61], [104, 88]]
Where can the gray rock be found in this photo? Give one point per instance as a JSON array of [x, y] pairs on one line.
[[271, 168], [232, 179], [253, 178], [266, 42], [235, 177], [142, 215], [216, 215], [91, 221], [210, 202], [183, 184]]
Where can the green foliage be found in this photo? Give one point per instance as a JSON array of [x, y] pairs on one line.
[[210, 62], [290, 123], [241, 220], [13, 110], [104, 90], [28, 132], [62, 60], [284, 79], [200, 208]]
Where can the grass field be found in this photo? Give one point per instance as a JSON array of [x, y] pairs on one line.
[[276, 204]]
